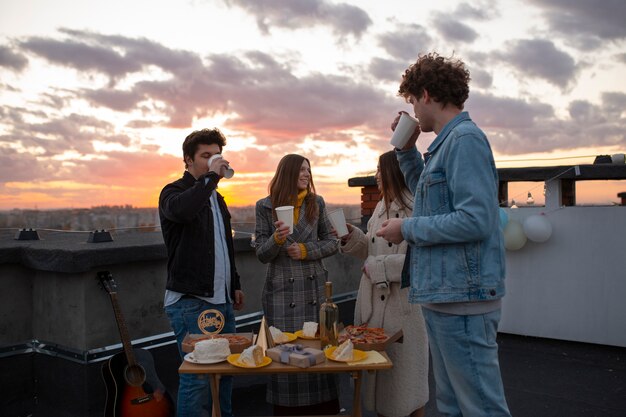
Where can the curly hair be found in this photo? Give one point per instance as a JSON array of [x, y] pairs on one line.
[[445, 79], [202, 137]]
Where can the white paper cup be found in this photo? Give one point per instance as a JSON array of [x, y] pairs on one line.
[[285, 214], [618, 158], [405, 128], [338, 220], [228, 172]]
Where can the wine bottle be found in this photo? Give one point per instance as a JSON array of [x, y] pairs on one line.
[[329, 317]]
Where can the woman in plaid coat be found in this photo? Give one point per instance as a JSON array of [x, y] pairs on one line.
[[294, 281]]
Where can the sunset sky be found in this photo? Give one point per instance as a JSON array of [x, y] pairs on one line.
[[96, 97]]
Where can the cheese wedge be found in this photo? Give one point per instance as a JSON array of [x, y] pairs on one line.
[[309, 329], [251, 356], [277, 335]]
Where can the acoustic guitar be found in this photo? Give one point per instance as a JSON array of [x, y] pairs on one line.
[[133, 387]]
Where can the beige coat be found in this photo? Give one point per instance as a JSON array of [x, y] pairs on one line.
[[382, 303]]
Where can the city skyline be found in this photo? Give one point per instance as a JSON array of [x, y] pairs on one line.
[[97, 97]]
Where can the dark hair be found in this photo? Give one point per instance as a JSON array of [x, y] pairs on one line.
[[392, 180], [283, 187], [446, 80], [201, 137]]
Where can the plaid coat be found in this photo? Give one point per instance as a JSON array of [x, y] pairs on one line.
[[292, 294]]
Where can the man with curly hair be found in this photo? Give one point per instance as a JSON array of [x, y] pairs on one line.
[[455, 263]]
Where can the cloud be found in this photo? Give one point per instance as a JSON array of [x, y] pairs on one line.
[[387, 69], [614, 104], [452, 27], [484, 12], [92, 177], [141, 124], [405, 43], [515, 126], [343, 19], [114, 99], [263, 96], [453, 30], [56, 135], [260, 97], [128, 169], [503, 112], [585, 23], [480, 77], [276, 110], [113, 55], [585, 112], [117, 178], [143, 52], [12, 165], [12, 60], [81, 56], [253, 160], [539, 58]]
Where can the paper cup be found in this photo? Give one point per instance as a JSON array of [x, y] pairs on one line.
[[285, 214], [228, 172], [405, 128], [338, 220], [618, 158]]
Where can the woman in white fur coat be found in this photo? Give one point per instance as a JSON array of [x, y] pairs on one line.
[[382, 301]]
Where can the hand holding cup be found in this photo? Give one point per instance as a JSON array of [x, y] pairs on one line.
[[338, 222], [282, 230], [344, 239], [284, 214], [219, 165], [406, 130]]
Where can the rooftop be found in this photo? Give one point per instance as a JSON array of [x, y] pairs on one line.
[[562, 335]]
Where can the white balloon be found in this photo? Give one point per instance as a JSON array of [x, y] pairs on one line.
[[537, 228], [514, 237]]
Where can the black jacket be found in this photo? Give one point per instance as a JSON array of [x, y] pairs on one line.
[[187, 226]]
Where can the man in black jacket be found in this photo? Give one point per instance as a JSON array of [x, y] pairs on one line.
[[201, 272]]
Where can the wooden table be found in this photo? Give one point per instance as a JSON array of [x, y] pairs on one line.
[[224, 368]]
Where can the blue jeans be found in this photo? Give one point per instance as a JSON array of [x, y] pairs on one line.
[[465, 364], [194, 390]]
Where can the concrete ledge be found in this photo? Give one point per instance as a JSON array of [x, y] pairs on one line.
[[71, 253]]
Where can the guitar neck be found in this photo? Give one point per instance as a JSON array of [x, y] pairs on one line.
[[121, 325]]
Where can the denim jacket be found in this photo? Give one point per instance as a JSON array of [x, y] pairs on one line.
[[455, 237]]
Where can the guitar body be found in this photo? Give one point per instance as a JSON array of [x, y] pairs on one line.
[[143, 396]]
